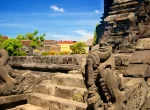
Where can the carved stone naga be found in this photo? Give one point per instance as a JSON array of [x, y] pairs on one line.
[[102, 84], [12, 82], [8, 80], [106, 89]]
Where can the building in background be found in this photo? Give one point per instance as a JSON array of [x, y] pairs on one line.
[[4, 38], [51, 45], [89, 44], [26, 43], [65, 45]]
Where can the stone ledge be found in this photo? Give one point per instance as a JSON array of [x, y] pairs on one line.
[[55, 59], [67, 92], [45, 67], [29, 107], [12, 98], [140, 57], [138, 70], [54, 103]]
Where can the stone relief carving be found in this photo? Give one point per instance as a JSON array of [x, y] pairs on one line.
[[100, 68], [108, 90], [12, 82]]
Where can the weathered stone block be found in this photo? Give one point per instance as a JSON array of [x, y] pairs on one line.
[[12, 98], [125, 61], [44, 101], [65, 60], [64, 92], [48, 60], [55, 103], [55, 60], [29, 107], [79, 95], [69, 80], [44, 60], [141, 57], [74, 72], [120, 69], [148, 81], [118, 61], [138, 70], [44, 87], [143, 44], [146, 104]]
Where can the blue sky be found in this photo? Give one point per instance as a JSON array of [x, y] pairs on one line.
[[58, 19]]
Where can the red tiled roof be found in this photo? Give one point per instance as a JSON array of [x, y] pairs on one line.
[[66, 42], [25, 42], [50, 42], [4, 37]]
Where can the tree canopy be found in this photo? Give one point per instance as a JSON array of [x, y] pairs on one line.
[[95, 36], [13, 46], [1, 41], [21, 37], [78, 48], [35, 39]]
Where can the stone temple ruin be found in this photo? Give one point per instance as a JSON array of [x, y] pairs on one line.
[[115, 75], [123, 23]]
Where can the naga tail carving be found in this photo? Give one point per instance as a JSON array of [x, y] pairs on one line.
[[3, 57], [12, 82]]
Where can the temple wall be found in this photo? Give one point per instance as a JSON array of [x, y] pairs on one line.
[[122, 22], [64, 62]]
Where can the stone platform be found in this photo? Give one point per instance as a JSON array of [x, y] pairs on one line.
[[56, 92]]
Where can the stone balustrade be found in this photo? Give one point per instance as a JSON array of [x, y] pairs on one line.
[[44, 63], [63, 62]]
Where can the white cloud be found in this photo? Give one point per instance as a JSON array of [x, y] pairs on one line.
[[96, 11], [82, 35], [55, 8], [57, 36]]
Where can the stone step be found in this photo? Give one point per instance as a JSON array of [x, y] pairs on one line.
[[72, 93], [12, 98], [54, 103], [69, 80], [29, 107]]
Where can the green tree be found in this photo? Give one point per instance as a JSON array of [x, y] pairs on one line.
[[30, 36], [13, 46], [78, 48], [1, 41], [20, 37], [33, 44], [36, 40], [95, 36], [42, 37]]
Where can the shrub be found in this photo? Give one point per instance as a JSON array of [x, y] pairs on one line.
[[52, 53], [13, 46], [23, 54], [45, 53]]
